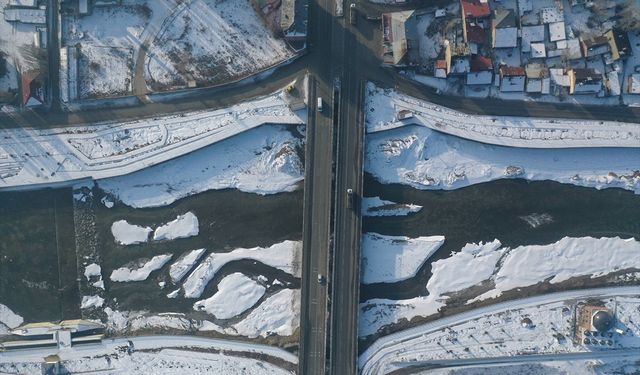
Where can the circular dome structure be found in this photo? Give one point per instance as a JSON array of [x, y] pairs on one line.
[[602, 321]]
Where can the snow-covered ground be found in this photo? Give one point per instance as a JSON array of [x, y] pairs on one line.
[[142, 270], [383, 107], [585, 367], [374, 206], [60, 155], [398, 152], [184, 264], [426, 159], [236, 294], [156, 355], [129, 234], [279, 314], [183, 226], [501, 333], [284, 256], [108, 39], [211, 42], [501, 269], [263, 161], [387, 259]]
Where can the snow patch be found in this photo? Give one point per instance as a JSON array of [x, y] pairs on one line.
[[92, 270], [236, 294], [387, 259], [9, 318], [185, 263], [278, 314], [374, 206], [125, 274], [91, 302], [284, 256], [129, 234], [183, 226]]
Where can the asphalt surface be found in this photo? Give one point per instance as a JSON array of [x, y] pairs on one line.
[[316, 233]]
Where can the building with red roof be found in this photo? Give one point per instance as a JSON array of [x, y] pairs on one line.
[[475, 9]]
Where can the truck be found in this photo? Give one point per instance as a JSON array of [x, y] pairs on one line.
[[319, 104], [353, 14], [349, 198]]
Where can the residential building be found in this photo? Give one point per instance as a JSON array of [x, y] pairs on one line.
[[634, 84], [504, 29], [619, 44], [512, 78], [398, 36], [595, 46], [481, 71], [475, 18], [584, 81]]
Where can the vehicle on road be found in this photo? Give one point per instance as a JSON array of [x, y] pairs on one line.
[[349, 198], [320, 279], [353, 14], [319, 104]]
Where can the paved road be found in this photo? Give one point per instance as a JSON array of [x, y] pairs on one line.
[[348, 226], [412, 368], [316, 233]]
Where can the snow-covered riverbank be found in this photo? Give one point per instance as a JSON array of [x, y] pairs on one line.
[[263, 160], [426, 159], [502, 269], [416, 155]]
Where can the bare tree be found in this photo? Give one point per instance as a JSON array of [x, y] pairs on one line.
[[630, 16]]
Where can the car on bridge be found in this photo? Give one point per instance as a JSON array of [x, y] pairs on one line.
[[353, 14]]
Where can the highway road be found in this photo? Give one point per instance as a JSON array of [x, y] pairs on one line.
[[348, 227], [316, 232]]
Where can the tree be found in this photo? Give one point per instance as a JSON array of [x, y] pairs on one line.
[[3, 64], [630, 16]]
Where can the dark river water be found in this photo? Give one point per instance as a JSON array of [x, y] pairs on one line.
[[498, 210], [39, 279]]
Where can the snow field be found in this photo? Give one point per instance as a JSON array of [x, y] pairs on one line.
[[504, 269], [125, 274], [387, 259], [236, 294]]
